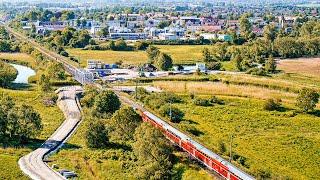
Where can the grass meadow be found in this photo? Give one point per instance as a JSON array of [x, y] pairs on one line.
[[18, 57], [282, 144], [181, 54]]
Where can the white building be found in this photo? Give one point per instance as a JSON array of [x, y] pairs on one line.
[[168, 36]]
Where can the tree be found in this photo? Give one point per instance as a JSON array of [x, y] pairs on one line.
[[106, 103], [163, 24], [245, 26], [237, 61], [96, 135], [271, 65], [104, 32], [5, 46], [206, 55], [141, 45], [56, 71], [90, 92], [7, 74], [173, 112], [307, 99], [269, 33], [153, 153], [163, 61], [121, 45], [44, 83], [23, 123], [124, 122], [152, 53], [17, 123]]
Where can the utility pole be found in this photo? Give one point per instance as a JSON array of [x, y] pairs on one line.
[[136, 95], [230, 159], [170, 113]]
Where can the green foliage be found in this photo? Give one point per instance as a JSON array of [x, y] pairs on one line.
[[56, 71], [44, 83], [153, 153], [201, 102], [7, 74], [106, 103], [245, 26], [96, 135], [213, 65], [124, 122], [18, 123], [141, 45], [172, 112], [272, 105], [104, 32], [222, 147], [271, 65], [307, 99], [90, 93], [288, 47], [269, 33], [163, 24], [257, 71], [163, 61], [206, 55], [152, 53]]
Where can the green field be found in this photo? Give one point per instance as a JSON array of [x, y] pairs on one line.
[[18, 57], [280, 144], [181, 54]]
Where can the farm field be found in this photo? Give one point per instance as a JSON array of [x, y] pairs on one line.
[[181, 54], [305, 66]]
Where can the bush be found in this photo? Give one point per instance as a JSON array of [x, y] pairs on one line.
[[214, 66], [201, 102], [257, 71], [7, 74], [96, 135], [215, 100], [176, 114], [64, 53], [33, 79], [307, 99], [272, 105]]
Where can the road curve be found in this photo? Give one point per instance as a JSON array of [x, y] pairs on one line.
[[33, 163]]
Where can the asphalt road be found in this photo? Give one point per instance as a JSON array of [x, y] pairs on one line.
[[32, 164]]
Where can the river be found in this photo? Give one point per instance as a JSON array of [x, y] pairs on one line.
[[24, 73]]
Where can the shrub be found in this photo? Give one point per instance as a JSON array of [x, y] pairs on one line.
[[307, 99], [176, 114], [272, 105], [214, 66], [257, 71], [201, 102], [96, 135], [215, 100], [64, 53]]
